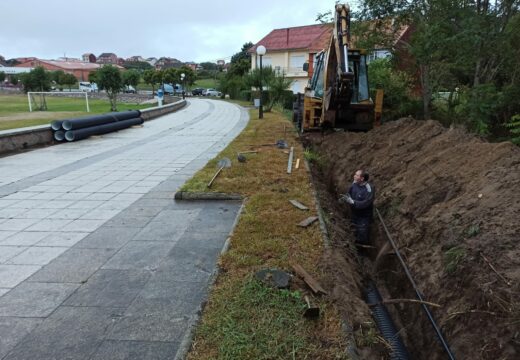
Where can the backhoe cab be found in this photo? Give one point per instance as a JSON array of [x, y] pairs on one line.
[[337, 95]]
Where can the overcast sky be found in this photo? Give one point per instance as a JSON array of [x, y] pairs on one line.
[[187, 30]]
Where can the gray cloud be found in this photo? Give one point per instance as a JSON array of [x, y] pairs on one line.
[[187, 30]]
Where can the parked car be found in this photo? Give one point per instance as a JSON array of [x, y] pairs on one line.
[[87, 87], [197, 91], [129, 89], [212, 92]]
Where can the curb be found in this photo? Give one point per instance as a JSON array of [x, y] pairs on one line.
[[193, 196]]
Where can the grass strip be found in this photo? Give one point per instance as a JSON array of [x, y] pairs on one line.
[[244, 319]]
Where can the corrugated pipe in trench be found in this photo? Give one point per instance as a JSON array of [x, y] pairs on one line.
[[385, 324]]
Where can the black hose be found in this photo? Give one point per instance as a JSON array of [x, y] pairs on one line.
[[79, 134], [436, 328], [385, 324]]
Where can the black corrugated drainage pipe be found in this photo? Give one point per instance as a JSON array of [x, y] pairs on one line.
[[79, 134], [56, 125], [385, 324], [59, 135], [89, 121]]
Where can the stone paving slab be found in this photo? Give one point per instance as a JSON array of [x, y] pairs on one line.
[[141, 255], [69, 333], [31, 299], [110, 288], [108, 237], [13, 330], [132, 350], [74, 266]]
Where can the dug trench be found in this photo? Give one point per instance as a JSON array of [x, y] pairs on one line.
[[451, 202]]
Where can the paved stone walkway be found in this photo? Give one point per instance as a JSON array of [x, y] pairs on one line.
[[96, 259]]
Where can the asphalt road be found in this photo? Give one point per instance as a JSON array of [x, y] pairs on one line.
[[97, 261]]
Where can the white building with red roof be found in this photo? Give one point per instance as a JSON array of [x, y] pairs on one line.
[[289, 48]]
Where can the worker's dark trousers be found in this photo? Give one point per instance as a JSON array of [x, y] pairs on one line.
[[362, 228]]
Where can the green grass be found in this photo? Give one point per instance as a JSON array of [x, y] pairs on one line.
[[244, 319], [273, 329], [14, 110], [205, 83]]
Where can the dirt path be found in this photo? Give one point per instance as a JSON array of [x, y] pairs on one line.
[[452, 202]]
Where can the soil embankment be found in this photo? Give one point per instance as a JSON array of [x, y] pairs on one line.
[[452, 203]]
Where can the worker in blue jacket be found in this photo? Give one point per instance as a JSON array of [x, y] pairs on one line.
[[360, 197]]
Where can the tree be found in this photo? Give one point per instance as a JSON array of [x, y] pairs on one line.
[[243, 53], [397, 87], [208, 66], [92, 77], [469, 45], [275, 83], [109, 79], [150, 78], [38, 79], [131, 78], [171, 76], [68, 79], [189, 75], [158, 77], [2, 76], [140, 66], [15, 79]]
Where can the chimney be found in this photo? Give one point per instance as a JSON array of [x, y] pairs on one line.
[[287, 38]]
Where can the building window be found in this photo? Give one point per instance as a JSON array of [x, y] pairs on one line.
[[296, 63], [266, 61]]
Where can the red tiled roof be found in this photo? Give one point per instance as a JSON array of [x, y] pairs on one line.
[[71, 65], [310, 37]]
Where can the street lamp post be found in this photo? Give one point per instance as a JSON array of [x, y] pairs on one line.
[[183, 85], [260, 50]]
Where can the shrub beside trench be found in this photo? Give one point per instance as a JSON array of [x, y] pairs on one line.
[[244, 319]]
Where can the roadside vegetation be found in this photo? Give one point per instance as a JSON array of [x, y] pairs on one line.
[[460, 64], [245, 319]]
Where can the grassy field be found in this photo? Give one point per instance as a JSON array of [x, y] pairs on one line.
[[201, 83], [205, 84], [14, 110], [243, 318]]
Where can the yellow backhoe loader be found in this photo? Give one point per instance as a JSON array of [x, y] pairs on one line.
[[337, 95]]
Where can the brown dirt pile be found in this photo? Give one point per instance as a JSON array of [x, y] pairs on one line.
[[452, 202]]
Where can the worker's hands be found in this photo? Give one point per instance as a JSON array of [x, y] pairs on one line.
[[345, 198]]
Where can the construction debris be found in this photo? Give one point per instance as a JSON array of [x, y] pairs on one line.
[[309, 280], [282, 144], [309, 221], [311, 312], [298, 204], [289, 163], [274, 277], [297, 164], [222, 163]]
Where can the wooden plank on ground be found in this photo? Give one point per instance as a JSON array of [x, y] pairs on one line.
[[309, 280], [309, 221], [298, 204]]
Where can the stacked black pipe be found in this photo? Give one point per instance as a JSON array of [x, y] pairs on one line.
[[81, 128]]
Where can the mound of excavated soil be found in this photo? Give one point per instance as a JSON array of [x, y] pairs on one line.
[[452, 203]]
